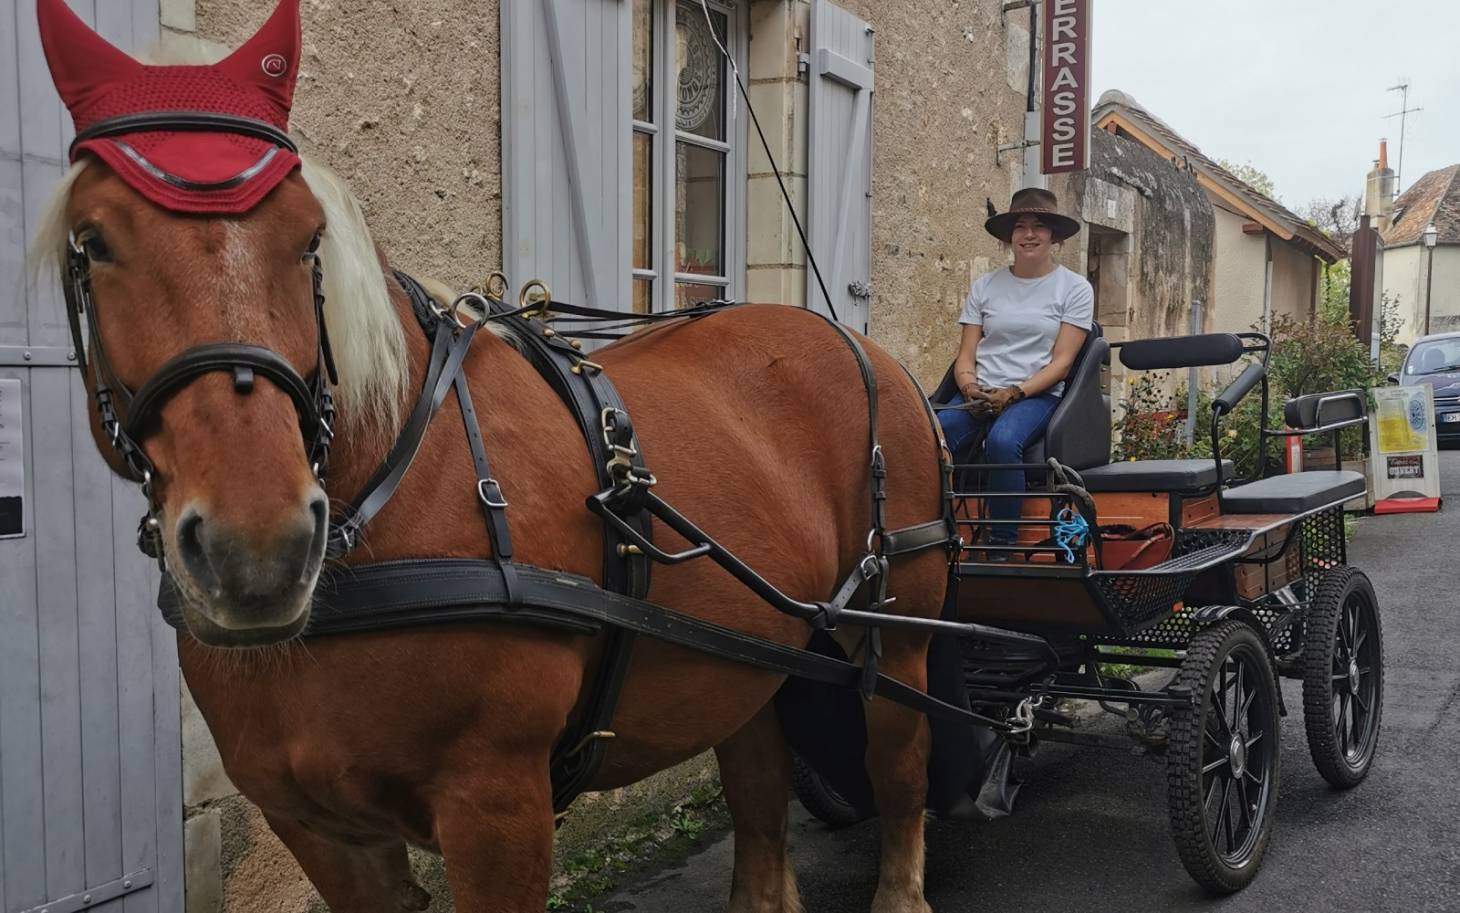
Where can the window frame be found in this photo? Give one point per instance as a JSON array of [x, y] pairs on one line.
[[664, 154]]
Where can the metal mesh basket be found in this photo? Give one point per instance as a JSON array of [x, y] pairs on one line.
[[1140, 599]]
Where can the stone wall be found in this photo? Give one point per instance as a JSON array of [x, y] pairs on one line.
[[403, 101], [950, 89]]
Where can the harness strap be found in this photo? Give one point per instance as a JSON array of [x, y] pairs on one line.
[[445, 362], [394, 594]]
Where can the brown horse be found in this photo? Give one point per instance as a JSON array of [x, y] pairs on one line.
[[754, 421]]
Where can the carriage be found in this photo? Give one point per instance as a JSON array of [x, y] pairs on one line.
[[781, 476], [1174, 566]]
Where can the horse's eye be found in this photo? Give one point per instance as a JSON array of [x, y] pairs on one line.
[[95, 247], [313, 250]]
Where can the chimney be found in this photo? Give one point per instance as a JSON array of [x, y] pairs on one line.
[[1379, 193]]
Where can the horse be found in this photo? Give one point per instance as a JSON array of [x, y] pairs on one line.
[[754, 420]]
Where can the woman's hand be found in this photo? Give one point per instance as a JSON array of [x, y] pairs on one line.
[[1000, 400]]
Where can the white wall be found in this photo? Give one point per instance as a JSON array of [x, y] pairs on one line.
[[1240, 271], [1403, 282]]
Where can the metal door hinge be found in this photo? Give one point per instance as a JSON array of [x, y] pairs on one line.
[[98, 895]]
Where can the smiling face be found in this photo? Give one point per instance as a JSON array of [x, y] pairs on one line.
[[1033, 244]]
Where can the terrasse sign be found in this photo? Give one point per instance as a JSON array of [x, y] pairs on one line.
[[1065, 134]]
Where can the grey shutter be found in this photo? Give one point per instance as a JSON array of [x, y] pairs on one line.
[[839, 181], [90, 754], [566, 147]]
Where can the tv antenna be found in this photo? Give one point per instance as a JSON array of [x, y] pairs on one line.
[[1402, 114]]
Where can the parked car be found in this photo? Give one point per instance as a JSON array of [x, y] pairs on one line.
[[1435, 360]]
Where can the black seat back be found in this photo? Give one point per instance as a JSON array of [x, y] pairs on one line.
[[1078, 434]]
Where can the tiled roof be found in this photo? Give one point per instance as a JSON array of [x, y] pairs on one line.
[[1434, 198], [1303, 234]]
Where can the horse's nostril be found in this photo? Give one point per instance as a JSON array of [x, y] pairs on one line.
[[193, 551]]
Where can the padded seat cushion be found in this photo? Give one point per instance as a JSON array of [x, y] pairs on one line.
[[1155, 475], [1294, 493]]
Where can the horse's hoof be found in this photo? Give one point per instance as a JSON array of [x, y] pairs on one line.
[[412, 897]]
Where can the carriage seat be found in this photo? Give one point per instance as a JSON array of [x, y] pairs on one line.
[[1294, 493], [1078, 433], [1174, 476]]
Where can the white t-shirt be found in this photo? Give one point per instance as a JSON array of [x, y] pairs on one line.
[[1021, 319]]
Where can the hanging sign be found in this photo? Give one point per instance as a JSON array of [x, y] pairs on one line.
[[1404, 469], [12, 461], [1064, 140]]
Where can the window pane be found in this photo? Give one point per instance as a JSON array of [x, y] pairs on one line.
[[643, 60], [699, 203], [643, 303], [643, 200], [701, 69], [686, 295]]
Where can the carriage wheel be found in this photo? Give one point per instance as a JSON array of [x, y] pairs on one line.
[[1222, 764], [820, 799], [1343, 676]]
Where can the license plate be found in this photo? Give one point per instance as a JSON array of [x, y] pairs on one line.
[[1450, 417]]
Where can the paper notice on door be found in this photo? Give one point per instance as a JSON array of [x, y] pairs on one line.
[[12, 460]]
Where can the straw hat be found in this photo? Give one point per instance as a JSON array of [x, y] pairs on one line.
[[1032, 201]]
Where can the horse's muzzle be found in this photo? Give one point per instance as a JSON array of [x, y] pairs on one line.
[[249, 593]]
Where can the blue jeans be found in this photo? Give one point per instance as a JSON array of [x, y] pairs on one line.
[[1004, 442]]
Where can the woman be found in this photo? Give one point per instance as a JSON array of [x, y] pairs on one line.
[[1022, 328]]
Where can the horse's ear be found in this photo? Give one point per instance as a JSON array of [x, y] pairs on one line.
[[270, 59], [82, 62]]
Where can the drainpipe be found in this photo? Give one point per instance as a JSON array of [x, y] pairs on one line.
[[1267, 288], [1191, 377], [1032, 175]]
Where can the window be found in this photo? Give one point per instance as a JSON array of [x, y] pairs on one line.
[[688, 169]]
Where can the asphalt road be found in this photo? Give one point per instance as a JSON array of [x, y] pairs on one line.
[[1091, 832]]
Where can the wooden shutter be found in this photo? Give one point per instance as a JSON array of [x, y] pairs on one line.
[[839, 182], [90, 754], [566, 147]]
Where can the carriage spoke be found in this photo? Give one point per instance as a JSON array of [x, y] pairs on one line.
[[1211, 791], [1242, 797], [1215, 765], [1247, 704], [1363, 704], [1359, 640], [1254, 739], [1227, 817], [1221, 808]]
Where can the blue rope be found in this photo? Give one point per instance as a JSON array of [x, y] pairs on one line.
[[1071, 532]]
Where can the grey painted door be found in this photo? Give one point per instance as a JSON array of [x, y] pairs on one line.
[[840, 163], [90, 758], [566, 154]]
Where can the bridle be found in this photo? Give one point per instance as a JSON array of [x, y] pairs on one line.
[[124, 413]]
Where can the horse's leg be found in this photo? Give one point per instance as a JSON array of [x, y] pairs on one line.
[[496, 835], [755, 771], [354, 879], [898, 744]]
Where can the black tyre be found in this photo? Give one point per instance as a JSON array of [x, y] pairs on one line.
[[820, 799], [1343, 676], [1222, 765]]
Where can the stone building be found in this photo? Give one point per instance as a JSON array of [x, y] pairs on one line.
[[1421, 255], [600, 145], [1266, 259]]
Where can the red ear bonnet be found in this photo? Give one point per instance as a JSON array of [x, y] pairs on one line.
[[186, 171]]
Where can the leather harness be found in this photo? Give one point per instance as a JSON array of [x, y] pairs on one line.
[[387, 595]]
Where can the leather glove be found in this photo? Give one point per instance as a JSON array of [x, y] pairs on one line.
[[976, 401], [1000, 400]]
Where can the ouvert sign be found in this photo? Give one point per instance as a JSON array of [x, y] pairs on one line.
[[1065, 135]]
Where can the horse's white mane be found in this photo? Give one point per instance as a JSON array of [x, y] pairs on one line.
[[365, 333]]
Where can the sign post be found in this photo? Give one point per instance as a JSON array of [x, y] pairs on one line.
[[1065, 103], [1404, 472]]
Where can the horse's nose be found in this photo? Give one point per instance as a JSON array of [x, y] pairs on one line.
[[240, 571]]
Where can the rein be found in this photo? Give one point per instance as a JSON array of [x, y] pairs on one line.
[[395, 594]]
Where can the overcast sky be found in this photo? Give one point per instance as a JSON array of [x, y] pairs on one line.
[[1295, 87]]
